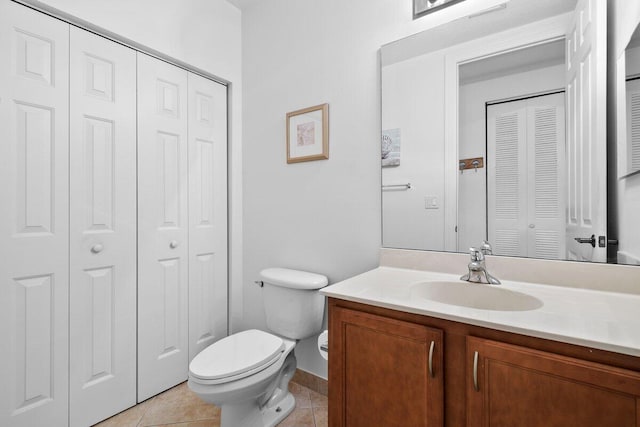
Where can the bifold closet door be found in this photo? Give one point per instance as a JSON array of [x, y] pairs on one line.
[[207, 213], [34, 218], [102, 228], [162, 227]]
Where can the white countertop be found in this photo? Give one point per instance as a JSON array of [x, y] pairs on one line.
[[591, 318]]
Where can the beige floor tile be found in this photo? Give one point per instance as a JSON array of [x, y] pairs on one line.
[[301, 395], [201, 423], [129, 418], [318, 400], [300, 417], [321, 417], [178, 405]]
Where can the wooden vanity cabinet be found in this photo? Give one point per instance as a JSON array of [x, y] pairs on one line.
[[379, 375], [515, 386], [385, 372]]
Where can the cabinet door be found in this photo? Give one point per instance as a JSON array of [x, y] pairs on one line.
[[207, 213], [103, 228], [383, 372], [34, 217], [162, 226], [516, 386]]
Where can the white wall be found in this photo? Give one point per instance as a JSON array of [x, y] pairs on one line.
[[632, 61], [472, 195], [206, 35], [322, 216]]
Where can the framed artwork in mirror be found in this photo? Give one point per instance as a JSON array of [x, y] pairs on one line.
[[308, 134], [423, 7]]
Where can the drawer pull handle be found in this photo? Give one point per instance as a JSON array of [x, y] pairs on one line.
[[431, 348], [475, 371], [97, 248], [173, 244]]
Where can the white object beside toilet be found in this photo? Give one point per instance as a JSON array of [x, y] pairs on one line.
[[247, 374], [323, 344]]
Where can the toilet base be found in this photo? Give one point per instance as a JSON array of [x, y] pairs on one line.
[[247, 414], [272, 416]]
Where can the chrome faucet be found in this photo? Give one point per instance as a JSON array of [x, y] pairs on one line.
[[477, 268]]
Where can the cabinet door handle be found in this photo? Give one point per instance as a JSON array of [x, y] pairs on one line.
[[431, 348], [475, 371]]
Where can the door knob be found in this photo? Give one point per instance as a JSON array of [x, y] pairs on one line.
[[97, 248], [173, 244], [591, 240]]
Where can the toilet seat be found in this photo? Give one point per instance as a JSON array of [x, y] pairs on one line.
[[236, 356]]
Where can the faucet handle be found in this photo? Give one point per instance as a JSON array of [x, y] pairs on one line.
[[486, 248], [476, 254]]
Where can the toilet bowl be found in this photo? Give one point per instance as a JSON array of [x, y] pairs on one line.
[[247, 373]]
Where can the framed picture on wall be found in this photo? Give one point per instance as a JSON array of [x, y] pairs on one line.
[[422, 7], [308, 134]]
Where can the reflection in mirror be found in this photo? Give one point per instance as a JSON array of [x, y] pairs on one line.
[[512, 114], [499, 135], [628, 187]]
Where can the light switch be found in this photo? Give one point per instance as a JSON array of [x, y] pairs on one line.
[[431, 202]]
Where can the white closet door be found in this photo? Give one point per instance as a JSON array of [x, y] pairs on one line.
[[34, 218], [102, 227], [526, 182], [586, 80], [507, 178], [207, 213], [633, 127], [546, 179], [162, 226]]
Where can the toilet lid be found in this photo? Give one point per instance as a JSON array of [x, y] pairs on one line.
[[237, 354]]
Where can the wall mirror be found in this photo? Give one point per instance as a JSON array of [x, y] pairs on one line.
[[494, 127]]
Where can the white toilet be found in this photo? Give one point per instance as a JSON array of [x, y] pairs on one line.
[[247, 374]]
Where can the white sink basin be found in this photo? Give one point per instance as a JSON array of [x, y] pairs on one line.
[[475, 295]]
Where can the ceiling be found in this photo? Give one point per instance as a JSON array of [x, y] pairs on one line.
[[527, 59]]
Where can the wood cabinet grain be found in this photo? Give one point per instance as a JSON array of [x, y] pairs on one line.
[[386, 372], [378, 375]]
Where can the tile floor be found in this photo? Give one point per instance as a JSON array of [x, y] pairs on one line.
[[179, 407]]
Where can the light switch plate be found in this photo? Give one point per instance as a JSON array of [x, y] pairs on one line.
[[431, 202]]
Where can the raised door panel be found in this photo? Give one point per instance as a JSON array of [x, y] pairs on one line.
[[586, 133], [102, 228], [207, 213], [386, 372], [163, 247], [521, 387], [34, 217]]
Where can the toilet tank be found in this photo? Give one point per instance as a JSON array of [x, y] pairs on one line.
[[292, 303]]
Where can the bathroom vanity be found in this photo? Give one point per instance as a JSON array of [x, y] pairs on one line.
[[421, 348]]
